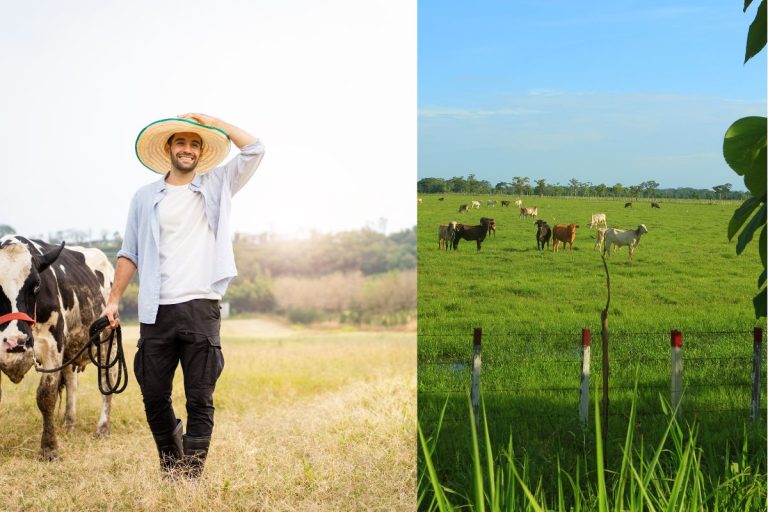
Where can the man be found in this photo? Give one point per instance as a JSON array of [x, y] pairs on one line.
[[177, 237]]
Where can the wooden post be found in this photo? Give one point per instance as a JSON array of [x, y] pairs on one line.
[[677, 371], [475, 389], [757, 353], [586, 349]]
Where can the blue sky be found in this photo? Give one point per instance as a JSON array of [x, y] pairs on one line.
[[603, 92]]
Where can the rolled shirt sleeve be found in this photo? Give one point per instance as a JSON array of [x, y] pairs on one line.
[[130, 248], [241, 168]]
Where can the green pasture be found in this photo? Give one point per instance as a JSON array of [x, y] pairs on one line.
[[532, 307]]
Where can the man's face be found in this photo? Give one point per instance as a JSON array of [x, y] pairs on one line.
[[185, 149]]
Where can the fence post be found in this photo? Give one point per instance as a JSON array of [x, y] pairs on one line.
[[586, 349], [756, 361], [475, 389], [677, 371]]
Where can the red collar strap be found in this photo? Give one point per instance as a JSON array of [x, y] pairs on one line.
[[18, 316]]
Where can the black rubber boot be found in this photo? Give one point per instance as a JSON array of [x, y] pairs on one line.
[[195, 452], [170, 448]]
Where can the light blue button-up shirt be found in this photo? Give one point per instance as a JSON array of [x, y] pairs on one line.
[[141, 241]]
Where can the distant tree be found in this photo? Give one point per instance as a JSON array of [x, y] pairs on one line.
[[5, 229], [617, 190], [635, 190], [431, 186], [721, 191], [484, 187], [519, 184], [601, 189], [573, 186], [541, 186], [472, 184], [649, 188], [457, 184], [503, 187]]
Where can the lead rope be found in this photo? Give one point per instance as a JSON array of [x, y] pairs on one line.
[[95, 345]]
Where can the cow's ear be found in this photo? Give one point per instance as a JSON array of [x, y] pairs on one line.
[[45, 261]]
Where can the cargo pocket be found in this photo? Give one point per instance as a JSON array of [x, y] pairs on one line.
[[138, 364], [215, 360]]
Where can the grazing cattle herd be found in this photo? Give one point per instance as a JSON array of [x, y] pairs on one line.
[[606, 238]]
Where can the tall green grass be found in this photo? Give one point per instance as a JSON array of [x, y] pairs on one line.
[[675, 474]]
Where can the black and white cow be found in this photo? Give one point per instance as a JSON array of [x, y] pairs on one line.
[[49, 296]]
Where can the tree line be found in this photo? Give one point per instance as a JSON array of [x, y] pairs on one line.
[[522, 185]]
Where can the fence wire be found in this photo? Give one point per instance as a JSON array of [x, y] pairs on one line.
[[546, 367]]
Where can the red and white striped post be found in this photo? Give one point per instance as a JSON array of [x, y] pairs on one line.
[[757, 353], [586, 349], [476, 361], [677, 371]]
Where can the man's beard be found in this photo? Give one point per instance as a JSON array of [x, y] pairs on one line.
[[184, 168]]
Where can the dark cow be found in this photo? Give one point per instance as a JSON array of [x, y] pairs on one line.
[[49, 296], [543, 234], [491, 225], [476, 233], [504, 202], [464, 208], [655, 205], [441, 199], [627, 205]]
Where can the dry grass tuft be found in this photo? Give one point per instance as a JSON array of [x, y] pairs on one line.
[[311, 422]]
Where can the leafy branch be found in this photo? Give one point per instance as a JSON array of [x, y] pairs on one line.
[[744, 149]]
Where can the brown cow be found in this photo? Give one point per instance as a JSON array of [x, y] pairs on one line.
[[565, 234]]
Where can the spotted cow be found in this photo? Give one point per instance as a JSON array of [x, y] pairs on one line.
[[49, 296]]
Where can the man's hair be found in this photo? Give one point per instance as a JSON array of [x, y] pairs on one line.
[[170, 139]]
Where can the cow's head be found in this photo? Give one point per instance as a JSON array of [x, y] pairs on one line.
[[20, 282]]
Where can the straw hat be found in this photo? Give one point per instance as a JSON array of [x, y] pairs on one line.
[[150, 144]]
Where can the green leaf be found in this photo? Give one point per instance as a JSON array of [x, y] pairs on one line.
[[741, 214], [757, 33], [760, 303], [762, 247], [742, 144], [761, 280], [746, 236]]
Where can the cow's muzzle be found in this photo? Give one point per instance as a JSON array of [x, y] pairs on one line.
[[17, 343]]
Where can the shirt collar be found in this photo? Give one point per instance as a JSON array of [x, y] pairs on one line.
[[195, 184]]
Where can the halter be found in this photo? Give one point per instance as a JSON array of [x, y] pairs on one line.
[[19, 316]]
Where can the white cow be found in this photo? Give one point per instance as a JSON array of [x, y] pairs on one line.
[[490, 202], [475, 204], [598, 218], [518, 203], [600, 238], [620, 238]]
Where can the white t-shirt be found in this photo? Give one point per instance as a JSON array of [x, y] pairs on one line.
[[187, 247]]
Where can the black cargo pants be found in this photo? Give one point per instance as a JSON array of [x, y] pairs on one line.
[[188, 333]]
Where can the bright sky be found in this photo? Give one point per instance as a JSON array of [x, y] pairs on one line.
[[605, 92], [330, 87]]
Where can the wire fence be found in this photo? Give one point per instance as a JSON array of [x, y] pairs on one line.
[[540, 376]]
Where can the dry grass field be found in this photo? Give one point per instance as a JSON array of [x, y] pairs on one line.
[[305, 420]]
